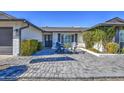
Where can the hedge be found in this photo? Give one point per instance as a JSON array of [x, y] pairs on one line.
[[122, 50], [29, 47], [40, 46], [112, 47]]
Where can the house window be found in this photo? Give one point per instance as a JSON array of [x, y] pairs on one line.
[[121, 38], [68, 38]]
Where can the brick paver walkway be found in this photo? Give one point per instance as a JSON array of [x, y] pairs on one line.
[[45, 52], [84, 66]]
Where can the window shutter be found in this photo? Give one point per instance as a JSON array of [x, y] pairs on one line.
[[62, 38], [72, 38], [76, 38], [58, 37]]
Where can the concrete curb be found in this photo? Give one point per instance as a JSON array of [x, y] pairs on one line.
[[99, 54]]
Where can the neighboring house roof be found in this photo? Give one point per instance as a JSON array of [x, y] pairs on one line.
[[63, 29], [114, 21]]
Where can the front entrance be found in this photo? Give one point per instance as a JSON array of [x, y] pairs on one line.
[[48, 41]]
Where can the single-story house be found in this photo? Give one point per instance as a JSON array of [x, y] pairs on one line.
[[13, 30]]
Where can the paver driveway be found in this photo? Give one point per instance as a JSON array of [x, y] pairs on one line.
[[83, 66]]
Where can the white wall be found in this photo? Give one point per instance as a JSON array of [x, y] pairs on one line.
[[54, 40], [80, 40], [31, 33]]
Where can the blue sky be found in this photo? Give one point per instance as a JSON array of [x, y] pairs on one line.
[[66, 18]]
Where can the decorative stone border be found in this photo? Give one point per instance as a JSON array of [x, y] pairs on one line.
[[100, 54], [2, 57], [104, 78]]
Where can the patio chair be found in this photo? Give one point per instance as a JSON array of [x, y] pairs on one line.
[[59, 48], [74, 47]]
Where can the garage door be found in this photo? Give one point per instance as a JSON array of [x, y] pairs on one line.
[[6, 36]]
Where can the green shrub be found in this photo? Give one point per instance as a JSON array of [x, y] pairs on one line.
[[112, 47], [25, 50], [40, 46], [67, 45], [122, 50], [98, 35], [28, 47], [88, 39], [94, 50]]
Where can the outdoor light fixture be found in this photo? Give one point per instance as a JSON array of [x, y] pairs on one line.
[[16, 32]]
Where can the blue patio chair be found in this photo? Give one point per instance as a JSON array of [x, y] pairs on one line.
[[59, 47]]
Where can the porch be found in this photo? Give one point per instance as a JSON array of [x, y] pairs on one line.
[[50, 39]]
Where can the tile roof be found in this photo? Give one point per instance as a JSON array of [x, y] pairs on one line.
[[64, 29], [114, 21], [4, 15]]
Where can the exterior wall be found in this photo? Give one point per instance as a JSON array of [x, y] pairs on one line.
[[80, 40], [28, 33], [15, 25], [31, 33], [54, 40]]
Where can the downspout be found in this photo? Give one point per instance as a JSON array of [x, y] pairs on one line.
[[20, 29]]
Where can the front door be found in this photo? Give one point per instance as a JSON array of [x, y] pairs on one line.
[[48, 41]]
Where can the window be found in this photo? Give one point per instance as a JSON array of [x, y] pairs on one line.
[[68, 39], [121, 38]]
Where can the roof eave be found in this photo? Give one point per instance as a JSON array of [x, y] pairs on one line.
[[62, 31], [103, 24], [23, 20]]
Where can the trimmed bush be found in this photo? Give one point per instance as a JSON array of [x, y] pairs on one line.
[[112, 47], [28, 47], [25, 50], [67, 45], [122, 51], [40, 46], [33, 46], [94, 50], [88, 39]]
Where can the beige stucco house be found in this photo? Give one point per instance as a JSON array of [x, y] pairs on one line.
[[14, 30]]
